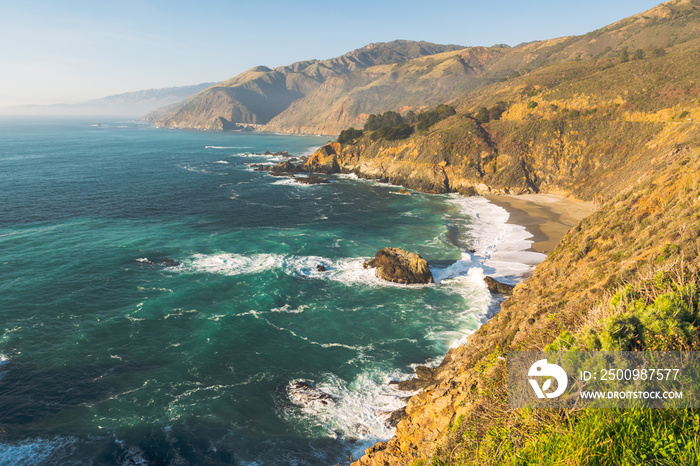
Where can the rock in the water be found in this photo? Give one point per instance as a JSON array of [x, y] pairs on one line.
[[399, 266], [304, 394], [259, 167], [312, 179], [497, 287], [284, 167], [404, 191], [320, 268]]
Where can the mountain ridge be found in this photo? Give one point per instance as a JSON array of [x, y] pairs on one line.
[[324, 97], [260, 93]]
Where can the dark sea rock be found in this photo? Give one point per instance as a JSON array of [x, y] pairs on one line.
[[259, 167], [285, 167], [405, 191], [321, 268], [497, 287], [311, 179], [399, 266], [303, 393]]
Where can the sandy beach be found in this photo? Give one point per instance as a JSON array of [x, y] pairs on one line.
[[547, 216]]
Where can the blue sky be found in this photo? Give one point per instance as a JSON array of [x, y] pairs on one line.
[[70, 51]]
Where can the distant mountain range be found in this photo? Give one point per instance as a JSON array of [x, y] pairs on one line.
[[324, 97], [131, 104], [262, 95]]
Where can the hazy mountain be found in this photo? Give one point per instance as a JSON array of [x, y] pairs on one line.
[[131, 104]]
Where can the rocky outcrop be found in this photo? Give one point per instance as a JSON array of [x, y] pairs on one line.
[[311, 180], [399, 266], [324, 160], [286, 167], [497, 287]]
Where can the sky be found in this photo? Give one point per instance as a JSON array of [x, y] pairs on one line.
[[73, 50]]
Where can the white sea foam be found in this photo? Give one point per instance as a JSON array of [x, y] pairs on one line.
[[359, 412], [459, 268], [229, 264], [269, 157], [193, 169], [349, 271], [221, 161], [287, 181], [501, 248], [347, 176], [220, 147], [287, 309]]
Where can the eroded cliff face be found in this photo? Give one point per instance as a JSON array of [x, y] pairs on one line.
[[580, 159]]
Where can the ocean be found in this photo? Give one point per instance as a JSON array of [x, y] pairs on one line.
[[160, 299]]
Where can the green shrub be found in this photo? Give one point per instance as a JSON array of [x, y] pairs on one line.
[[392, 133], [389, 125], [349, 135], [498, 110], [430, 117], [532, 104], [564, 341], [482, 115], [622, 333], [658, 52]]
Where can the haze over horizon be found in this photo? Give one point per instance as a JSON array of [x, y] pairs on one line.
[[77, 50]]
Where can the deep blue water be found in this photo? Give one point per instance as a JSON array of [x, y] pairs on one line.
[[158, 297]]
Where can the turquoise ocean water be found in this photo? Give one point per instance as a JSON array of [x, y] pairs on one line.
[[158, 298]]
